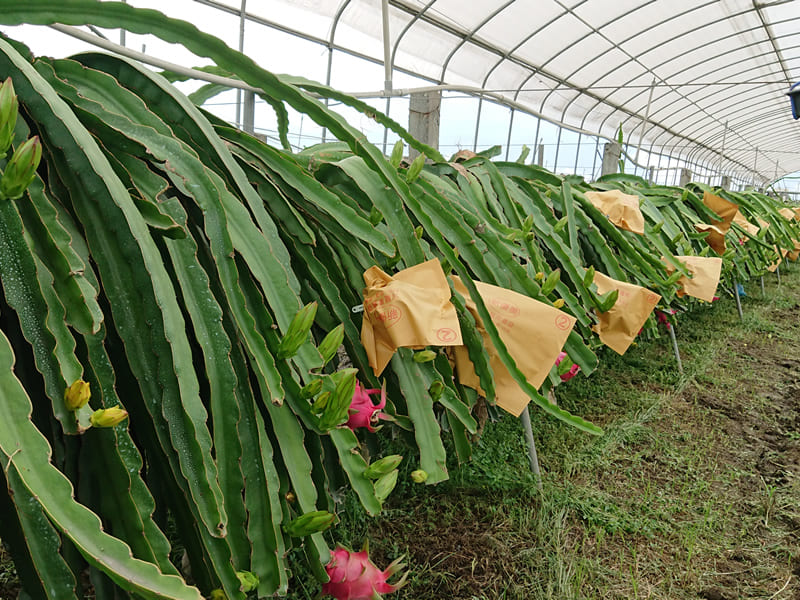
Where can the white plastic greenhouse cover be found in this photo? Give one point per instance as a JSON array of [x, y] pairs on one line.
[[703, 79]]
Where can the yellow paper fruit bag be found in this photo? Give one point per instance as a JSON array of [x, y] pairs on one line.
[[781, 255], [715, 237], [725, 209], [533, 333], [620, 208], [795, 253], [619, 326], [411, 309], [705, 276], [742, 222]]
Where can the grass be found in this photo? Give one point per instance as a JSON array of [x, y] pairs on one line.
[[693, 491], [9, 582]]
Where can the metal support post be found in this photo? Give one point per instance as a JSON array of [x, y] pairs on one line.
[[675, 346], [534, 459], [778, 272], [738, 300], [644, 121], [762, 287], [387, 52]]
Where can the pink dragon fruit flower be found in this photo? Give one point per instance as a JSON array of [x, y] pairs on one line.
[[353, 576], [363, 413], [573, 370]]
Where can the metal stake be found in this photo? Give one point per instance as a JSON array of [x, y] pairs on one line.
[[778, 271], [534, 459], [738, 301], [675, 346], [762, 287]]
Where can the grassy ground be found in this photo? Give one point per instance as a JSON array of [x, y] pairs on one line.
[[693, 491]]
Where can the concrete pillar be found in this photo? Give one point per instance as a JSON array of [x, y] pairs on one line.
[[540, 158], [686, 177], [611, 154], [249, 112], [726, 182], [423, 119]]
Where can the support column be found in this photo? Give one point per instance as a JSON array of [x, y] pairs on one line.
[[249, 111], [423, 119], [686, 177], [611, 154]]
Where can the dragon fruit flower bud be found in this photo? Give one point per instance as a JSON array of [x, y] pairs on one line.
[[424, 356], [330, 343], [436, 390], [385, 484], [217, 594], [297, 331], [77, 395], [108, 417], [9, 106], [21, 169], [419, 476], [311, 389], [383, 466], [249, 581]]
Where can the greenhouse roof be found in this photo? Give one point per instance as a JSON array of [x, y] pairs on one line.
[[702, 79], [718, 71]]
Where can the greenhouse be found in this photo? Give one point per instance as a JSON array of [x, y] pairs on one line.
[[399, 298]]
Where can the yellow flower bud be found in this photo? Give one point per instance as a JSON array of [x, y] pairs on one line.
[[108, 417], [419, 476], [77, 395], [424, 356], [248, 580], [559, 303]]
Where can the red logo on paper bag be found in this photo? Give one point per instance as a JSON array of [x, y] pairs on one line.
[[378, 299], [446, 335], [508, 307], [388, 315], [562, 322]]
